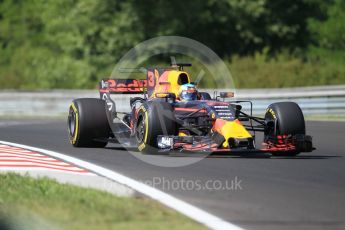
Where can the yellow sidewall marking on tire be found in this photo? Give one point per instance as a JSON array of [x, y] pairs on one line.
[[146, 126], [272, 113], [143, 109], [76, 128], [141, 146]]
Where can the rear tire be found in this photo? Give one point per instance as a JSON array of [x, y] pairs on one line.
[[87, 123], [154, 119], [284, 118]]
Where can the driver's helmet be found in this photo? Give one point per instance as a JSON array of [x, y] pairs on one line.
[[188, 92]]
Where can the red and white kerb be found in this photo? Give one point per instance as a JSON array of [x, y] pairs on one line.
[[14, 158]]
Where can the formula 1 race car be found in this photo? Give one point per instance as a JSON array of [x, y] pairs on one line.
[[161, 121]]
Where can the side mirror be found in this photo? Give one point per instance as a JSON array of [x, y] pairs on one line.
[[167, 96], [226, 94]]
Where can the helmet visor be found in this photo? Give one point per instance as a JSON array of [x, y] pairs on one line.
[[186, 96]]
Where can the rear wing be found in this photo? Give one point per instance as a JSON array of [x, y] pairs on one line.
[[154, 77], [122, 86]]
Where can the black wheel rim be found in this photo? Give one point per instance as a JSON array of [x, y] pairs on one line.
[[71, 123], [269, 131], [140, 129]]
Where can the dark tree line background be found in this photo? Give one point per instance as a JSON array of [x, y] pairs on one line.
[[73, 43]]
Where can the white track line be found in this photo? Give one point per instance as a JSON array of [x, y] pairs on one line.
[[189, 210]]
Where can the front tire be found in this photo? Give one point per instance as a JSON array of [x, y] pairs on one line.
[[284, 118], [87, 123], [154, 119]]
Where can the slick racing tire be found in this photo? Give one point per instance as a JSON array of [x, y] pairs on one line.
[[87, 123], [154, 119], [284, 118]]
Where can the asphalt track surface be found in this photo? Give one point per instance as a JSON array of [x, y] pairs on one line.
[[305, 192]]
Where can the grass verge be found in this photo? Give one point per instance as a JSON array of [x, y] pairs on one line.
[[284, 71], [28, 203]]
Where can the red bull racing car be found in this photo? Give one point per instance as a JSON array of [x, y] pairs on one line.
[[172, 115]]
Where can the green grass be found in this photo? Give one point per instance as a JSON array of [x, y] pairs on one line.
[[257, 71], [44, 203], [285, 71], [326, 117]]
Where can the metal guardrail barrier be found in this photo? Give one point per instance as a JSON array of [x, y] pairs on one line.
[[313, 100]]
